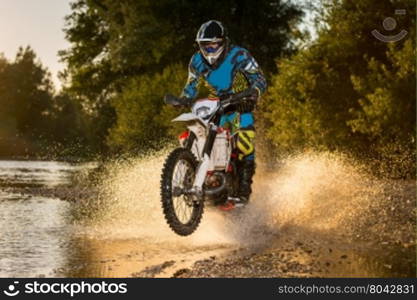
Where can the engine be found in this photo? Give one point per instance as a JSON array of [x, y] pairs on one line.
[[220, 154]]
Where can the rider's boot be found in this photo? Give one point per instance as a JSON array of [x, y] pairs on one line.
[[246, 170]]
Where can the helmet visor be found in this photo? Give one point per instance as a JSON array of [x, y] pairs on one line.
[[211, 47]]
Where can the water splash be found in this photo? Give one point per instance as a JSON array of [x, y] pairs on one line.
[[319, 191], [313, 198], [129, 205], [323, 191]]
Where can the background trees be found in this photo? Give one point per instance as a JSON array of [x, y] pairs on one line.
[[344, 90], [349, 91], [122, 51], [25, 98], [26, 94], [33, 119]]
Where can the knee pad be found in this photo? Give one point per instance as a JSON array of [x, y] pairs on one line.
[[245, 143]]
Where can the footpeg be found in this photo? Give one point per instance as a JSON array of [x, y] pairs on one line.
[[236, 201]]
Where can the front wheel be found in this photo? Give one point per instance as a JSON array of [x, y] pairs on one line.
[[182, 213]]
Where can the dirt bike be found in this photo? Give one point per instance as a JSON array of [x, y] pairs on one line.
[[203, 169]]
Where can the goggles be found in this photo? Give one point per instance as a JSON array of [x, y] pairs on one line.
[[211, 47]]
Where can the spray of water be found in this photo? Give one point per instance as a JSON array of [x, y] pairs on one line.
[[321, 191], [129, 206]]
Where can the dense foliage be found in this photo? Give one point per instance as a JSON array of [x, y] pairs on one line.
[[343, 90], [348, 90], [33, 120], [123, 51]]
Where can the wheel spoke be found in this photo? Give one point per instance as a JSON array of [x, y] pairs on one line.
[[182, 178]]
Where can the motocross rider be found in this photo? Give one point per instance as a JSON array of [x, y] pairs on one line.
[[226, 69]]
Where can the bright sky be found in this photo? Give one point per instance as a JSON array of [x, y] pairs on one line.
[[37, 23]]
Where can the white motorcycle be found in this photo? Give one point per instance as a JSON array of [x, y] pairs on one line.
[[203, 168]]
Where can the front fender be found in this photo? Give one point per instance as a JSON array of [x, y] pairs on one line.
[[187, 117]]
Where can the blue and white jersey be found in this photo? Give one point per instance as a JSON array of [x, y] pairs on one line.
[[237, 72]]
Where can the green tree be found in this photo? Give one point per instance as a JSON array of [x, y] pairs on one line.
[[7, 121], [4, 106], [387, 102], [34, 121], [71, 127], [348, 90], [143, 121], [113, 43], [27, 94]]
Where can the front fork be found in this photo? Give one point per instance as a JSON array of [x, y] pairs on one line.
[[205, 162]]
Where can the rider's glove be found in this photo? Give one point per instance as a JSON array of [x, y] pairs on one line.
[[185, 102], [248, 103], [177, 102]]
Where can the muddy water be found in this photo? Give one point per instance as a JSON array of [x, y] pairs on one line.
[[122, 233]]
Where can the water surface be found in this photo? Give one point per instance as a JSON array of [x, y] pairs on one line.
[[40, 237]]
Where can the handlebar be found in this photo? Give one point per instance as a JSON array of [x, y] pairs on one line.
[[172, 100], [230, 100], [235, 98]]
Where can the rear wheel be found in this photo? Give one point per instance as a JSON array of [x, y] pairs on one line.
[[182, 213]]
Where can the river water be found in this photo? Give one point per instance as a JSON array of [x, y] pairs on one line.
[[42, 236], [34, 230]]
